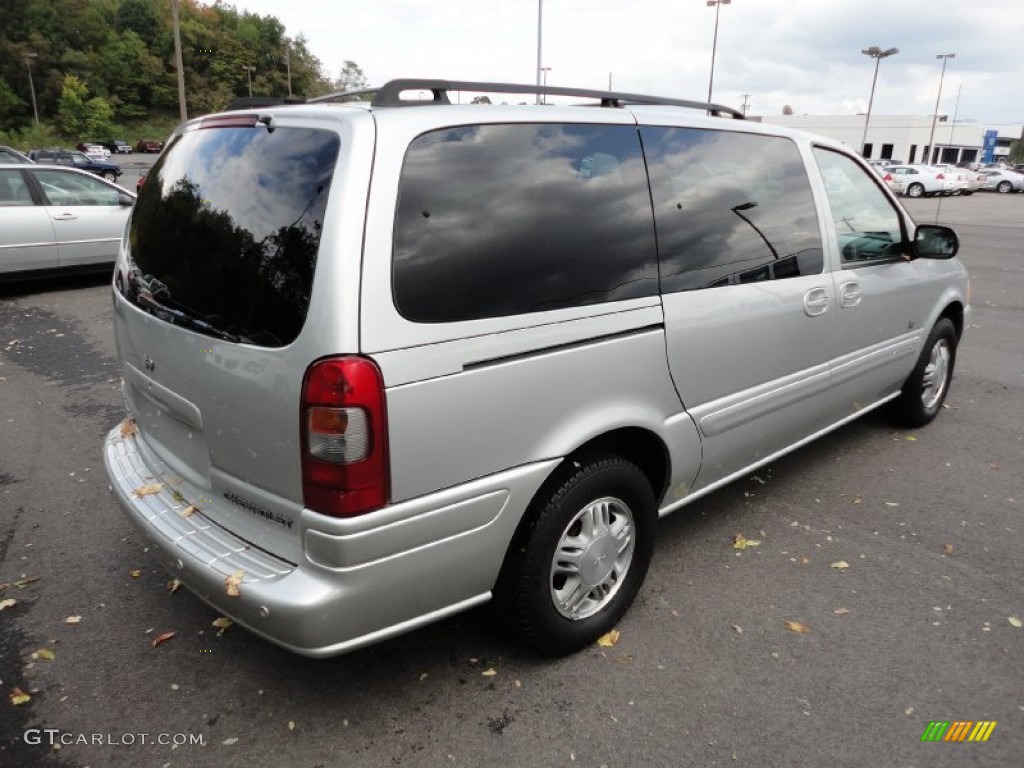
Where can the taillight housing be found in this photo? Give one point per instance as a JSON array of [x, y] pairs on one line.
[[940, 176], [343, 423], [887, 177]]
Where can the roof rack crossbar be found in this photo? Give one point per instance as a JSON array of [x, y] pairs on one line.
[[390, 95], [343, 96]]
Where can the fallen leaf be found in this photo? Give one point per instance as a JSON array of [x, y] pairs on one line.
[[857, 500], [291, 725], [45, 654], [840, 565], [190, 510], [948, 549], [892, 503], [841, 611], [1015, 622], [22, 583], [737, 629], [161, 639], [222, 623], [489, 672], [910, 437], [742, 542], [135, 573], [609, 639], [173, 585], [72, 619], [993, 466], [796, 626], [128, 428], [10, 601], [804, 560], [908, 711], [18, 696], [229, 742], [233, 582], [147, 490]]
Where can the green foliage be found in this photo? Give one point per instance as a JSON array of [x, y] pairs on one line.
[[78, 115], [124, 51], [31, 137], [1016, 154]]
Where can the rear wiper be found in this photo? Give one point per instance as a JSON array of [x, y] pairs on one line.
[[171, 314]]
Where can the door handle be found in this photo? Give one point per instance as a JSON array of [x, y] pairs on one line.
[[65, 217], [850, 294], [816, 302]]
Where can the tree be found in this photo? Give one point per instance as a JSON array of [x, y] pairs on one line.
[[11, 106], [481, 100], [1016, 151], [79, 116], [350, 78]]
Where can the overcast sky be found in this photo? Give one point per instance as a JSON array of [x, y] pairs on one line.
[[802, 53]]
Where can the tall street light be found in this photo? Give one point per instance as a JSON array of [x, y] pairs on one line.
[[931, 136], [250, 69], [31, 86], [877, 54], [183, 114], [540, 26], [714, 45], [545, 71]]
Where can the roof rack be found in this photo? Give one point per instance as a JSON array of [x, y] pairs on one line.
[[390, 95], [344, 96]]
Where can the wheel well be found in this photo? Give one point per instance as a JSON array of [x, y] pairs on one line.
[[643, 448], [955, 313]]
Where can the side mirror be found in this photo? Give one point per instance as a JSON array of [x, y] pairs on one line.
[[123, 199], [932, 241]]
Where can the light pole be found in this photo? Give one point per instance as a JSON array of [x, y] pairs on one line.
[[250, 69], [177, 62], [540, 27], [714, 45], [31, 86], [931, 136], [877, 54], [544, 71]]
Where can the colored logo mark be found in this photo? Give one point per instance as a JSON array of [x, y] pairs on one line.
[[958, 730]]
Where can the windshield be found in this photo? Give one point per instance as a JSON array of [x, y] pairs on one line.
[[225, 233]]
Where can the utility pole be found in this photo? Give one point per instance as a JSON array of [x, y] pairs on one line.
[[250, 69], [540, 26], [714, 45], [31, 86], [877, 54], [177, 62], [746, 103], [935, 116]]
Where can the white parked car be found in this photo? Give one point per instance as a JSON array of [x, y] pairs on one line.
[[1003, 181], [922, 180], [95, 151]]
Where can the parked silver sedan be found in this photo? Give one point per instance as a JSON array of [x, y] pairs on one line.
[[1003, 181], [55, 219]]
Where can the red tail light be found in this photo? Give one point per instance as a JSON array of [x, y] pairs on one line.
[[887, 177], [939, 176], [343, 423]]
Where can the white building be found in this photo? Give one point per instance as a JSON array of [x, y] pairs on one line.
[[905, 137]]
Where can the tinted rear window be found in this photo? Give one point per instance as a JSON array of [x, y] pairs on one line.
[[225, 233], [498, 220]]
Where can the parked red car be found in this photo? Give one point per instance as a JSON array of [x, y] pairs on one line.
[[149, 145]]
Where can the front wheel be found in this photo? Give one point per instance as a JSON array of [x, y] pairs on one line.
[[109, 176], [580, 555], [925, 389], [915, 190], [1003, 187]]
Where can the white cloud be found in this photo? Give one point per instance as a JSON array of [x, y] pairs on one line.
[[804, 53]]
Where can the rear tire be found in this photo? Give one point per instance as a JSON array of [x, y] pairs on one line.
[[109, 176], [1003, 187], [915, 190], [925, 389], [580, 555]]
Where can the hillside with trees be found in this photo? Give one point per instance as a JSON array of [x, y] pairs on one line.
[[107, 66]]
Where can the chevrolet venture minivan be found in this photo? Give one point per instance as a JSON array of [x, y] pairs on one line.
[[387, 357]]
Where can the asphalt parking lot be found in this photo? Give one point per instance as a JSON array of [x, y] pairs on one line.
[[920, 625]]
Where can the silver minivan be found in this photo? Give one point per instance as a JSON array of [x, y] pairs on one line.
[[386, 359]]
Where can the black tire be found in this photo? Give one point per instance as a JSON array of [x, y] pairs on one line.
[[915, 190], [109, 175], [528, 586], [1003, 187], [923, 395]]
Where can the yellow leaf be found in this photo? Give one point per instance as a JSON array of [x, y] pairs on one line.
[[742, 542], [147, 490], [72, 619], [489, 672], [45, 654], [610, 639], [840, 565], [173, 585], [10, 601], [1015, 622], [857, 499], [233, 582], [911, 438], [18, 696], [948, 549], [190, 510], [796, 626], [128, 428], [135, 573], [222, 623], [291, 725]]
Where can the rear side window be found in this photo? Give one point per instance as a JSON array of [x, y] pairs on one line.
[[497, 220], [225, 232], [730, 208]]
